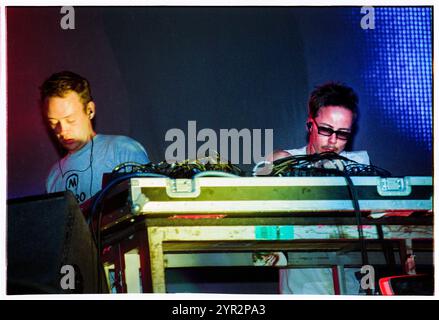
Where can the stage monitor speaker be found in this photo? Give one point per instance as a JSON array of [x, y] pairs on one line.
[[50, 248]]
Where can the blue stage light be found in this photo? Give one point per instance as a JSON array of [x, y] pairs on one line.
[[398, 72]]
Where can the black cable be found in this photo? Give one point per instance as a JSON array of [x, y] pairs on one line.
[[133, 166], [314, 165], [354, 197], [186, 169]]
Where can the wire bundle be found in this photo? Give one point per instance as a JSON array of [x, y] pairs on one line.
[[179, 170], [323, 164]]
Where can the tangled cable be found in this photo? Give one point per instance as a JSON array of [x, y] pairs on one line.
[[323, 164], [178, 170]]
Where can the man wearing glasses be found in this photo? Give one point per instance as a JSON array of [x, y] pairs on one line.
[[332, 111]]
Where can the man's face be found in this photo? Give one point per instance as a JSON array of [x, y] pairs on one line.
[[69, 120], [329, 118]]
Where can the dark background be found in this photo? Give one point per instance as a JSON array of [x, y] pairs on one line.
[[155, 68]]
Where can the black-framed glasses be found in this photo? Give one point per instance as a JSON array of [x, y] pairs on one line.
[[340, 134]]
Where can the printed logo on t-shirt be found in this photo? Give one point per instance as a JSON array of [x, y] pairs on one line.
[[72, 183]]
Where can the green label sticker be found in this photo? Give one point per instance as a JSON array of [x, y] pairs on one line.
[[286, 232], [274, 232]]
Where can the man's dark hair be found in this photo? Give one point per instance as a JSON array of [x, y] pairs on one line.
[[61, 83], [332, 94]]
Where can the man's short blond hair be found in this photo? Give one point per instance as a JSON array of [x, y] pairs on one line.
[[61, 83]]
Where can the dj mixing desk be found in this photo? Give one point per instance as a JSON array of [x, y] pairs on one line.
[[234, 221]]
